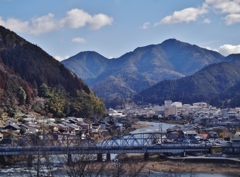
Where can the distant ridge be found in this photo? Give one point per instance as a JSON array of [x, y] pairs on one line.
[[140, 69], [205, 85]]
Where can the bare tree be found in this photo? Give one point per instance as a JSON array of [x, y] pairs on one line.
[[76, 163]]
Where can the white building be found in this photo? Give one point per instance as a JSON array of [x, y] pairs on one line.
[[232, 114], [167, 102], [177, 104], [114, 113], [200, 104]]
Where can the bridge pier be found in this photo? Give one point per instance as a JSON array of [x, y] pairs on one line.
[[183, 154], [4, 159], [210, 151], [146, 156], [108, 157], [69, 160], [29, 161], [99, 157]]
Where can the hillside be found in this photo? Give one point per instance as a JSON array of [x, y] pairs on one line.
[[32, 80], [93, 64], [205, 85], [230, 97], [140, 69]]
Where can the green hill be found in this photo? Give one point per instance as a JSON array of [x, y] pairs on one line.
[[32, 80], [205, 85]]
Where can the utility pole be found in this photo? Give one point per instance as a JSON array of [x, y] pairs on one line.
[[160, 128], [38, 162]]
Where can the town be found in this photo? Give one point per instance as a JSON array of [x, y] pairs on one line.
[[205, 123]]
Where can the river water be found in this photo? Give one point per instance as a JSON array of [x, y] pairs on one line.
[[155, 127], [163, 126], [57, 169]]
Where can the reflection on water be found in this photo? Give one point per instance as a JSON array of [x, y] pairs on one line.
[[155, 127]]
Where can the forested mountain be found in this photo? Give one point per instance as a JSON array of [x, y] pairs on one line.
[[32, 80], [205, 85], [230, 97], [140, 69], [92, 64]]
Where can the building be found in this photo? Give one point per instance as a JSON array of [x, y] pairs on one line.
[[178, 104], [167, 102], [232, 148], [10, 121], [200, 104], [170, 110], [190, 133], [114, 113], [12, 127]]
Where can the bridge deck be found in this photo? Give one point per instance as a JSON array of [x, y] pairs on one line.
[[50, 144]]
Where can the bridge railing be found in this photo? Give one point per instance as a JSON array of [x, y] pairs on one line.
[[66, 140]]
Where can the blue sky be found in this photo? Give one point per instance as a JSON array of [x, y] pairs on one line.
[[112, 28]]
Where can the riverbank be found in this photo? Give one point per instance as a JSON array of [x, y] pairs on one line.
[[139, 125], [134, 165], [187, 167], [157, 164]]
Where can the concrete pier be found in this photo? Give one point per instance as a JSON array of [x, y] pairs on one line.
[[146, 156], [4, 159], [29, 161], [108, 158], [184, 154], [69, 160], [99, 157]]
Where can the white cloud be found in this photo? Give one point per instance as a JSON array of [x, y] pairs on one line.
[[146, 25], [232, 18], [43, 24], [78, 40], [75, 18], [15, 24], [100, 20], [184, 16], [229, 49], [225, 6], [209, 48], [59, 58], [229, 7], [206, 20], [36, 26]]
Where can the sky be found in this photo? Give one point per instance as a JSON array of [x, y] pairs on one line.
[[63, 28]]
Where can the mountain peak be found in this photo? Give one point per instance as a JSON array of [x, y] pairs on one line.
[[87, 54], [172, 42]]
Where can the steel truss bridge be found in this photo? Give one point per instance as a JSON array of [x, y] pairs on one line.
[[56, 144]]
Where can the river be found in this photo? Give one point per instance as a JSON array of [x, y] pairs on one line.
[[157, 127], [21, 170]]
